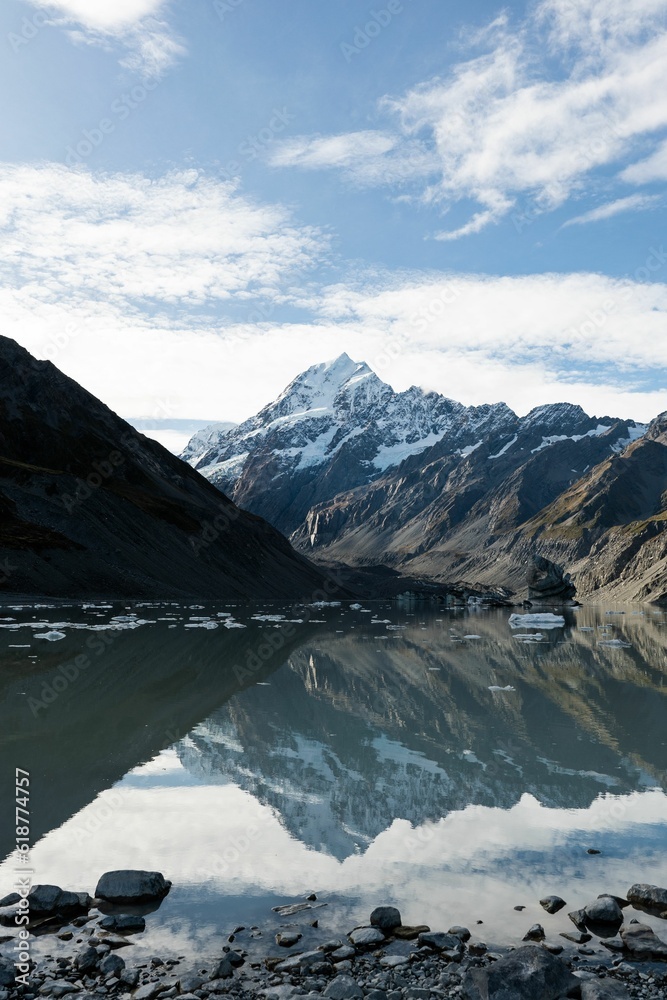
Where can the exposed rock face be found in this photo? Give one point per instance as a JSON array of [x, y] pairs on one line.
[[548, 583], [88, 506], [361, 475]]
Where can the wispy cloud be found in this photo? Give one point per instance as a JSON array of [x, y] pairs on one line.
[[501, 125], [653, 168], [632, 203], [139, 26]]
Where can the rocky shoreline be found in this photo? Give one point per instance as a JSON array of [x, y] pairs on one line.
[[380, 960]]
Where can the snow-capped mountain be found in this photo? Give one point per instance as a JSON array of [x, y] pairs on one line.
[[335, 427], [338, 428]]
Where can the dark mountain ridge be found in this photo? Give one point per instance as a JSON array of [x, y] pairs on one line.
[[89, 506]]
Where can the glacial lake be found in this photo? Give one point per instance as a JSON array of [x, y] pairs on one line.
[[439, 760]]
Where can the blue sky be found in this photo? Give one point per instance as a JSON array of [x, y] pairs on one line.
[[200, 198]]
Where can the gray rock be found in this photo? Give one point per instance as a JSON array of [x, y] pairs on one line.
[[642, 941], [223, 970], [649, 897], [535, 933], [376, 995], [604, 910], [332, 945], [417, 993], [51, 900], [305, 960], [7, 972], [603, 989], [578, 918], [386, 918], [132, 887], [129, 977], [548, 583], [552, 904], [11, 900], [112, 965], [440, 942], [125, 923], [477, 948], [343, 954], [366, 937], [86, 961], [149, 991], [343, 988], [462, 933], [581, 937], [529, 973], [287, 939], [188, 984]]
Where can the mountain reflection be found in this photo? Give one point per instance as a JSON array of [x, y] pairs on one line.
[[350, 725], [349, 737]]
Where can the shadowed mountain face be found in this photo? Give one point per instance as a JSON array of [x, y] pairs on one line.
[[90, 506]]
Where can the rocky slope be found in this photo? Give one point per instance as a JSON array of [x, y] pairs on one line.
[[90, 506], [361, 475], [335, 427]]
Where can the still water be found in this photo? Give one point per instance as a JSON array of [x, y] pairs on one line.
[[439, 760]]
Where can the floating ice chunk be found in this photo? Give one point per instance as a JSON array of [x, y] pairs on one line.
[[494, 687], [544, 620], [531, 636], [472, 637], [52, 636], [208, 625], [586, 628], [614, 643], [232, 624], [268, 618], [356, 607], [324, 604]]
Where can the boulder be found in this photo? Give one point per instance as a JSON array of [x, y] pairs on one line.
[[125, 923], [11, 900], [529, 973], [552, 904], [386, 918], [343, 988], [643, 943], [132, 887], [578, 918], [535, 933], [87, 960], [548, 583], [223, 970], [52, 901], [647, 897], [603, 989], [287, 939], [462, 933], [408, 933], [604, 912], [366, 937], [112, 965], [438, 941]]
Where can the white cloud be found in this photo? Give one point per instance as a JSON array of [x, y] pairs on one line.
[[632, 203], [181, 238], [501, 125], [138, 25], [163, 297], [654, 168]]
